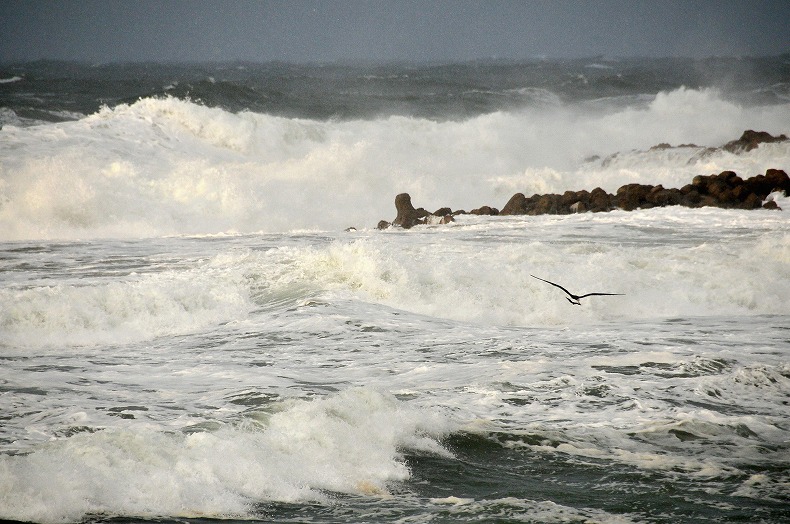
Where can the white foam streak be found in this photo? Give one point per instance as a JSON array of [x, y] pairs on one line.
[[167, 166]]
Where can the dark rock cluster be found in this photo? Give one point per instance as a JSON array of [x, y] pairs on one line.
[[724, 190], [408, 216]]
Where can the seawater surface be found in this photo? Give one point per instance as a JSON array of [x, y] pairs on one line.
[[417, 375], [188, 333]]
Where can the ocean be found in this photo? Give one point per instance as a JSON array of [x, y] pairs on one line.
[[199, 320]]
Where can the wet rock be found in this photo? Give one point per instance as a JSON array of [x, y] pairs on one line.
[[725, 190], [660, 147], [407, 217], [750, 140], [545, 205], [435, 219], [600, 200], [778, 179], [751, 202], [578, 207], [485, 210], [570, 198], [517, 205], [633, 196]]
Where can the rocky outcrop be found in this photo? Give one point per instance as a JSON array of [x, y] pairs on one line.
[[750, 140], [408, 217], [725, 190]]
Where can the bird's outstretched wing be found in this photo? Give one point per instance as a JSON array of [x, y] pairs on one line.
[[574, 299], [592, 294], [556, 285]]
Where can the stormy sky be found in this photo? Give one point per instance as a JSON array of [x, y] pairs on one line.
[[387, 30]]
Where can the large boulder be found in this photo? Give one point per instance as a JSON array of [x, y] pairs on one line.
[[660, 197], [600, 200], [407, 216], [517, 205], [545, 205], [778, 180], [633, 196]]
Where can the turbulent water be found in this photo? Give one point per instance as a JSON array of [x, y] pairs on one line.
[[188, 333]]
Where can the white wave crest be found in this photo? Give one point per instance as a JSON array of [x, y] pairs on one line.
[[347, 443], [169, 166]]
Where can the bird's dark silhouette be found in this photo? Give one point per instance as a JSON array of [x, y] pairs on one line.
[[574, 299]]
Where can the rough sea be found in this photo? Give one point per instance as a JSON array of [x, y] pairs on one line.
[[189, 333]]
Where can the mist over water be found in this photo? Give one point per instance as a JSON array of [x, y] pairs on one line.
[[188, 331]]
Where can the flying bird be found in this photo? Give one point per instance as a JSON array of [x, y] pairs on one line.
[[574, 299]]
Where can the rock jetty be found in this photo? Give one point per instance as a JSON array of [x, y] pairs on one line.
[[724, 190]]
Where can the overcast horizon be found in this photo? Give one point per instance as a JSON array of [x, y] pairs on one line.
[[386, 31]]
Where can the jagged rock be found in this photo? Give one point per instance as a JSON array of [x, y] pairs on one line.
[[407, 216], [660, 147], [726, 190], [750, 140]]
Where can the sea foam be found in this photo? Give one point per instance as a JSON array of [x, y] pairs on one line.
[[165, 166], [296, 452]]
